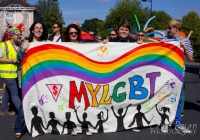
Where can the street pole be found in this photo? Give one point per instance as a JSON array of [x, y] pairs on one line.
[[151, 4]]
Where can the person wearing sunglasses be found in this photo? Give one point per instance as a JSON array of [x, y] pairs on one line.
[[37, 34], [72, 34], [141, 37], [173, 32], [113, 33], [56, 36], [8, 69]]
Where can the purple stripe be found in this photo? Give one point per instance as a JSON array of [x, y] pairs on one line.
[[55, 72]]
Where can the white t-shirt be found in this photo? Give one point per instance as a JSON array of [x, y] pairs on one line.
[[1, 52], [56, 38]]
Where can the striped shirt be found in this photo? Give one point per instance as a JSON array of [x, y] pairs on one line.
[[186, 40]]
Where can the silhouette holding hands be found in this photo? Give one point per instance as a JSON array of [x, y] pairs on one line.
[[84, 123], [138, 118], [53, 123], [101, 121], [120, 118], [69, 124], [36, 121], [163, 115]]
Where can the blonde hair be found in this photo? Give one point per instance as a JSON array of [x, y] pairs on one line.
[[175, 23]]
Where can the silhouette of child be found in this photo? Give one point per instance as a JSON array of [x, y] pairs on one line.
[[53, 123], [84, 124], [36, 121], [69, 124], [101, 121], [164, 115], [138, 118], [120, 118]]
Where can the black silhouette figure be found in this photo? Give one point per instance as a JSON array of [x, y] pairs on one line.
[[164, 115], [101, 121], [36, 121], [53, 123], [120, 118], [68, 124], [138, 118], [84, 123]]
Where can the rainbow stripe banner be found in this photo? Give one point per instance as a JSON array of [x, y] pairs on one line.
[[115, 74]]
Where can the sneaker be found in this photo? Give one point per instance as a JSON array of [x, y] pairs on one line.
[[164, 128], [6, 112], [182, 115], [88, 133], [182, 128], [136, 129], [74, 133]]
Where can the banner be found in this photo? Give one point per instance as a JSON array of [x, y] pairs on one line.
[[100, 88]]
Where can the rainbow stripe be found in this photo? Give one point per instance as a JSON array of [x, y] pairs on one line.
[[50, 60]]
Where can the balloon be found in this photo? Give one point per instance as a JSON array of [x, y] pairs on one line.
[[151, 33], [137, 22], [152, 40], [182, 34], [110, 29], [150, 28], [148, 22], [132, 35], [134, 30]]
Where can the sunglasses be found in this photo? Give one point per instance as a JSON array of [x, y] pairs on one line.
[[112, 34], [140, 35], [54, 27], [169, 28], [71, 33], [18, 34]]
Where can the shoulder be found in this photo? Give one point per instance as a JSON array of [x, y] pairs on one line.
[[51, 37], [114, 39], [132, 40]]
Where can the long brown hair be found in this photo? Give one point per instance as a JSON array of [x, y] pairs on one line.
[[66, 33]]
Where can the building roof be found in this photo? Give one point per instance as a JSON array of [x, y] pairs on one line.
[[5, 3]]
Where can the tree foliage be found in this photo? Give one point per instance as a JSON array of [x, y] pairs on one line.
[[191, 21], [161, 20], [90, 24], [51, 13], [124, 10]]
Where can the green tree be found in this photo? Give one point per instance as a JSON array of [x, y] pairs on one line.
[[161, 20], [90, 24], [102, 30], [191, 21], [124, 10], [51, 13]]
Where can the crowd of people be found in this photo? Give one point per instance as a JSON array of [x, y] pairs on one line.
[[13, 49]]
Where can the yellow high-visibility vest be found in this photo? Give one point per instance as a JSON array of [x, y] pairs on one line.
[[8, 70]]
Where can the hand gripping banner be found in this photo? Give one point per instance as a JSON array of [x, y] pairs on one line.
[[68, 87]]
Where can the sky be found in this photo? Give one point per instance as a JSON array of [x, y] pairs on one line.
[[80, 10]]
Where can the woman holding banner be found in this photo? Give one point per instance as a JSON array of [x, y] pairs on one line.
[[37, 34], [72, 34]]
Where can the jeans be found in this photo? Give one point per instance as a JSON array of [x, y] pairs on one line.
[[10, 91], [178, 119], [20, 126]]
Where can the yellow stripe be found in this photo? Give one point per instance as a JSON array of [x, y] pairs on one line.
[[58, 54]]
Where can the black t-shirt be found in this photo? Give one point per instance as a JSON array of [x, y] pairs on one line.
[[116, 39]]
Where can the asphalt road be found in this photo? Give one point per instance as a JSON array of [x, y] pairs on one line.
[[190, 119]]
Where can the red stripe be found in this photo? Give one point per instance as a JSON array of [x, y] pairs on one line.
[[177, 50]]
